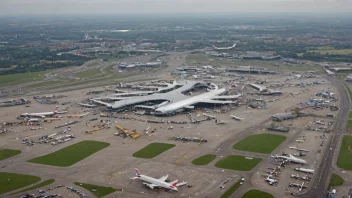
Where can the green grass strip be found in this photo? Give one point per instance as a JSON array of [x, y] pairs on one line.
[[335, 180], [41, 184], [71, 154], [13, 181], [153, 150], [231, 190], [204, 160], [99, 191], [7, 153]]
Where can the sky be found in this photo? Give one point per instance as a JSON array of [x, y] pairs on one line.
[[23, 7]]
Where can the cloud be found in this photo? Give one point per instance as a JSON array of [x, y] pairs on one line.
[[167, 6]]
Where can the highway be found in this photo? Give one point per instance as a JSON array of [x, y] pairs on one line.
[[322, 176]]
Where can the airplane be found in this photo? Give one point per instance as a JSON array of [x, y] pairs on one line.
[[43, 114], [305, 170], [271, 181], [291, 158], [209, 116], [87, 105], [220, 122], [236, 117], [152, 183], [224, 48], [299, 149], [300, 186]]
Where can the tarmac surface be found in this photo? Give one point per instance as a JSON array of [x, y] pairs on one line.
[[114, 165]]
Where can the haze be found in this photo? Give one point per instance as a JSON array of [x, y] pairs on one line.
[[21, 7]]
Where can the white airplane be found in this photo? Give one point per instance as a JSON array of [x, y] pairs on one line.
[[224, 48], [220, 122], [299, 149], [209, 116], [271, 181], [152, 183], [87, 105], [291, 158], [300, 186], [305, 170], [43, 114], [236, 117]]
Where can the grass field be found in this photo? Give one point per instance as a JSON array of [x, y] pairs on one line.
[[237, 162], [109, 68], [191, 59], [335, 180], [349, 92], [153, 150], [257, 194], [99, 191], [20, 78], [344, 161], [71, 154], [204, 160], [13, 181], [41, 184], [95, 63], [7, 153], [349, 124], [260, 143], [350, 115], [231, 190], [332, 51], [43, 84], [87, 74]]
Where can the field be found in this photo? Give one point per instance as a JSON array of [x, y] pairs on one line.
[[257, 194], [43, 84], [204, 160], [345, 154], [71, 154], [348, 90], [153, 150], [237, 162], [191, 59], [335, 180], [13, 181], [41, 184], [87, 74], [16, 79], [331, 50], [7, 153], [231, 190], [109, 68], [99, 191], [260, 143]]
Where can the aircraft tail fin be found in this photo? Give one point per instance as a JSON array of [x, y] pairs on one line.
[[137, 172], [174, 183]]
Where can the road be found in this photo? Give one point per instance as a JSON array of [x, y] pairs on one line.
[[319, 185]]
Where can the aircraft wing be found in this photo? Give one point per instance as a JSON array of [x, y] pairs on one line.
[[163, 178], [215, 101], [150, 185]]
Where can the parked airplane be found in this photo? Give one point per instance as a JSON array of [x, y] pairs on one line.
[[220, 122], [299, 149], [236, 117], [224, 48], [87, 105], [271, 181], [43, 114], [152, 183], [291, 158], [305, 170], [300, 186], [209, 116]]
